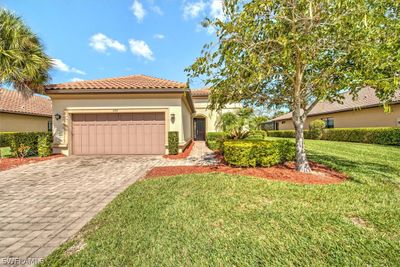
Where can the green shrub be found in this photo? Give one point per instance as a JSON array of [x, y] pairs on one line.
[[5, 152], [381, 136], [215, 140], [258, 153], [283, 133], [14, 141], [256, 135], [23, 151], [316, 129], [44, 146], [173, 143]]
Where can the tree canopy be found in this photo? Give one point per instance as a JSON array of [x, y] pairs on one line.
[[23, 62], [294, 53]]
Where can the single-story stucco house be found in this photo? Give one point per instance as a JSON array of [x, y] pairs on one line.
[[19, 113], [128, 115], [364, 111]]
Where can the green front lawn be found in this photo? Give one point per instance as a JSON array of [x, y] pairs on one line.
[[218, 219]]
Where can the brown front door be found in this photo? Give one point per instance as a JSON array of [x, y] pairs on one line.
[[118, 134], [199, 125]]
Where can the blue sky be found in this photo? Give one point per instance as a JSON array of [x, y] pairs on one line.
[[93, 39]]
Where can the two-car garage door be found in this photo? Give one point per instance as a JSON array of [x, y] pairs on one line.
[[118, 133]]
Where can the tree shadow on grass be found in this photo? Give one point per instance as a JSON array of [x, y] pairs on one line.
[[358, 171]]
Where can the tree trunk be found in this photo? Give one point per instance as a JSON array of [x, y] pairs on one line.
[[301, 157]]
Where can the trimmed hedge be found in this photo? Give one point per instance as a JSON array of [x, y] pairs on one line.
[[258, 153], [173, 143], [215, 140], [256, 135], [31, 139], [44, 146], [283, 133], [381, 136]]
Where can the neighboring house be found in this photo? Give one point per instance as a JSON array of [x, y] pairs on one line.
[[20, 113], [125, 115], [364, 111], [206, 120]]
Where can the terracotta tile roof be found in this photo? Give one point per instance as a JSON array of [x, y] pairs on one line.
[[126, 82], [14, 102], [366, 98], [200, 92]]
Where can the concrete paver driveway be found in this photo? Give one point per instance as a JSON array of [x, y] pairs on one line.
[[44, 204]]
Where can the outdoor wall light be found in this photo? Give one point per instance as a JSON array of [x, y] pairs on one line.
[[172, 117], [57, 116]]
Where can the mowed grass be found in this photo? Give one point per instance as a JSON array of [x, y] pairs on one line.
[[224, 220]]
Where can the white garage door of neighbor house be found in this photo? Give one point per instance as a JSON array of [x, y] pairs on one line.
[[118, 134]]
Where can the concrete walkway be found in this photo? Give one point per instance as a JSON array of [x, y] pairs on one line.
[[44, 204]]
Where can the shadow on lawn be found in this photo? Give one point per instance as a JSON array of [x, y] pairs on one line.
[[358, 171]]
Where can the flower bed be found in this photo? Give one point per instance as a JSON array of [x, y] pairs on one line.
[[9, 163], [284, 172], [182, 155]]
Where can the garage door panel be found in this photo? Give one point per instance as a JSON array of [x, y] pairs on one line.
[[107, 139], [122, 133], [115, 138]]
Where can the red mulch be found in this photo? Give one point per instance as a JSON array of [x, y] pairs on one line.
[[285, 172], [182, 155], [9, 163]]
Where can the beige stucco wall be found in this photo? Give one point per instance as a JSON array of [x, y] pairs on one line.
[[23, 123], [200, 104], [369, 117], [186, 121], [69, 104]]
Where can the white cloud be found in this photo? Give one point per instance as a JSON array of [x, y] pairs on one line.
[[138, 10], [141, 49], [217, 11], [193, 9], [159, 36], [61, 66], [76, 79], [100, 42], [157, 10]]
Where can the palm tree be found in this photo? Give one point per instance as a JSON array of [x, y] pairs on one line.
[[23, 63]]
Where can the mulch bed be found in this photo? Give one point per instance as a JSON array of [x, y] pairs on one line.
[[285, 172], [9, 163], [182, 155]]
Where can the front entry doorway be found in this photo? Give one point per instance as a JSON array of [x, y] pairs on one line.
[[199, 125]]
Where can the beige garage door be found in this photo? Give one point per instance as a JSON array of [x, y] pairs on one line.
[[118, 134]]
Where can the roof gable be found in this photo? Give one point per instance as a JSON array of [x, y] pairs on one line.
[[366, 98], [126, 82]]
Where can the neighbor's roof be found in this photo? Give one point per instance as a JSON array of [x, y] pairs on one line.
[[126, 82], [200, 92], [366, 98], [14, 102]]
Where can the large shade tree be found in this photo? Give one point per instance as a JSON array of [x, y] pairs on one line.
[[23, 63], [294, 53]]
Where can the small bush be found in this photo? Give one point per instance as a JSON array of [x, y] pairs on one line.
[[44, 146], [14, 141], [316, 129], [5, 152], [215, 140], [258, 153], [381, 136], [173, 143], [23, 151], [256, 135]]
